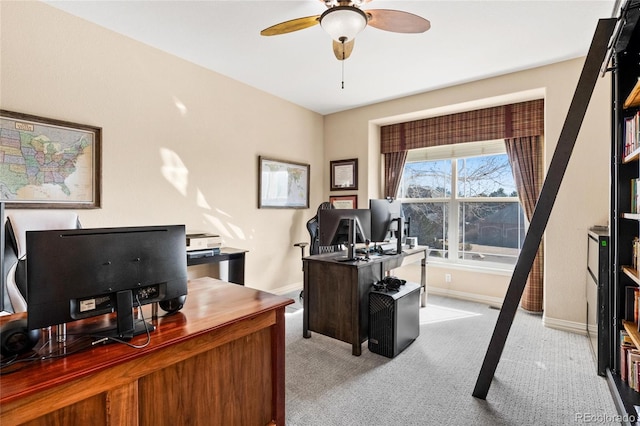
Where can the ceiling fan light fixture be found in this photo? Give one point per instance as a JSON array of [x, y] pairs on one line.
[[343, 23]]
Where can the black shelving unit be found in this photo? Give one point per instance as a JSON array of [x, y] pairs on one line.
[[625, 66]]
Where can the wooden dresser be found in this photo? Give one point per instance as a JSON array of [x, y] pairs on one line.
[[218, 361]]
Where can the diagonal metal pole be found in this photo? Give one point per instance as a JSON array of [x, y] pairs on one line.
[[546, 199]]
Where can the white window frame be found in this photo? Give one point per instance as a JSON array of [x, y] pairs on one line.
[[454, 153]]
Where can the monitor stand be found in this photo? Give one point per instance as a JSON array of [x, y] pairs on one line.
[[65, 342], [127, 326], [108, 333], [351, 244], [139, 327], [398, 236]]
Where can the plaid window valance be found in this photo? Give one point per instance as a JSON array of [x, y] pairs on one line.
[[506, 121]]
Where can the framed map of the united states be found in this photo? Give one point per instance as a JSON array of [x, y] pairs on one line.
[[46, 163]]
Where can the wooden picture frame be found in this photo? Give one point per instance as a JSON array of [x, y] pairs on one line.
[[48, 163], [282, 184], [344, 201], [344, 175]]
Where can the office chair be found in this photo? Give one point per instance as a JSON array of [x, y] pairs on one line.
[[313, 226], [314, 234], [314, 244], [16, 228]]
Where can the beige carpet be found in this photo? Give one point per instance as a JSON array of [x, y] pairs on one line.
[[545, 376]]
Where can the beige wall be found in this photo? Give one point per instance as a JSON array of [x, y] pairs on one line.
[[56, 65], [161, 164], [583, 197]]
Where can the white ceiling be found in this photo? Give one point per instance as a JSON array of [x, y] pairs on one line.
[[468, 40]]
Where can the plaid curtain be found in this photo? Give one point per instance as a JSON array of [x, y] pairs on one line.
[[393, 166], [525, 155]]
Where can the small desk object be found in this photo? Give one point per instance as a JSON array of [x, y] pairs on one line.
[[234, 256], [219, 360], [336, 292]]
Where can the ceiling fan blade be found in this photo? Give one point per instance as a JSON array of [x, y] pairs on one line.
[[397, 21], [291, 26], [343, 48]]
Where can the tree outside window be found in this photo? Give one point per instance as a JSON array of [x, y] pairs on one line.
[[478, 194]]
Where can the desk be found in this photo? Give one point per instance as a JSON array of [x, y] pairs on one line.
[[234, 256], [336, 293], [220, 360]]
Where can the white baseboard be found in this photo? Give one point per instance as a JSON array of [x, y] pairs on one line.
[[287, 289], [558, 324], [472, 297], [570, 326]]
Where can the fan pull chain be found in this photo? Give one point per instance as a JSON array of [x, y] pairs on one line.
[[342, 39]]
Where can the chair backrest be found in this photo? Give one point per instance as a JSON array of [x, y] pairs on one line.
[[313, 228], [16, 228]]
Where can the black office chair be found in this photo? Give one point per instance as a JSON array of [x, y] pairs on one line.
[[314, 236], [313, 226]]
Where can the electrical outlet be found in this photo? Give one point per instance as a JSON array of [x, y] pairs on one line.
[[447, 278]]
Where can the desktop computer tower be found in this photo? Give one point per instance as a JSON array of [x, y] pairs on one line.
[[394, 319]]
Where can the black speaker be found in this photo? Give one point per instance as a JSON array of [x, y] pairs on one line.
[[173, 305], [394, 319], [16, 338]]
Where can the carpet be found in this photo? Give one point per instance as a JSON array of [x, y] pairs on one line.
[[545, 376]]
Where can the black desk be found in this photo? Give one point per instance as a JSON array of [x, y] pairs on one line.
[[234, 256], [336, 293]]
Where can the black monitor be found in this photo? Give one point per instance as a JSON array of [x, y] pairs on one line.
[[344, 226], [386, 217], [82, 273]]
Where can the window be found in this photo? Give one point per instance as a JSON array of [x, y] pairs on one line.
[[464, 193]]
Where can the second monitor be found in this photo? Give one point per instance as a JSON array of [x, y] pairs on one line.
[[344, 226], [386, 218]]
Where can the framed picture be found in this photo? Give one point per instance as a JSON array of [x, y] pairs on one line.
[[344, 175], [49, 163], [344, 201], [282, 184]]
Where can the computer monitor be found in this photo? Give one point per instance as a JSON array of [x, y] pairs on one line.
[[384, 215], [82, 273], [344, 226]]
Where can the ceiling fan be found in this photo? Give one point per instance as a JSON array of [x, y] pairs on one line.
[[344, 19]]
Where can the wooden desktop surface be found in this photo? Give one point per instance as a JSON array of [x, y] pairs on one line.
[[220, 357]]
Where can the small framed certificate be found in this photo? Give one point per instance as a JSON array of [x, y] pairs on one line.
[[344, 201], [344, 175]]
